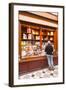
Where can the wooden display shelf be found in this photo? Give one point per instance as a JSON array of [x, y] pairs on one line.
[[42, 33], [32, 58], [29, 40]]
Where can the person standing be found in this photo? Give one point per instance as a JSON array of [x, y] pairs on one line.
[[49, 53]]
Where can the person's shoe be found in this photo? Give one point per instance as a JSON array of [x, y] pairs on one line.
[[52, 68]]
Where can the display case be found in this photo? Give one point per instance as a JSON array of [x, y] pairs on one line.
[[34, 40]]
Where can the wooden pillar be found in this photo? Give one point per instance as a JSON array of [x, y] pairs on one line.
[[40, 38], [19, 40], [56, 40]]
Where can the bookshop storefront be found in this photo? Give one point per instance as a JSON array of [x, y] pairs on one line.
[[35, 29]]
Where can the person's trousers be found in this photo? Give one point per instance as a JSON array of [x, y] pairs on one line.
[[50, 60]]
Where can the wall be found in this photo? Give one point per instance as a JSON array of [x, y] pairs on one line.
[[4, 44]]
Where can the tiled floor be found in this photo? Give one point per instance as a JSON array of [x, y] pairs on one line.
[[44, 73]]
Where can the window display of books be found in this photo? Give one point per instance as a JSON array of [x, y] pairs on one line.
[[31, 51], [50, 33], [29, 36], [35, 32], [34, 41], [24, 36], [29, 30], [37, 37], [51, 38], [37, 43], [46, 38]]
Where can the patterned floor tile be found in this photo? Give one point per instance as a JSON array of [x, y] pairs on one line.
[[44, 73]]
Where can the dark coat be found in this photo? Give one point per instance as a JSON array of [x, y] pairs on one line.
[[49, 49]]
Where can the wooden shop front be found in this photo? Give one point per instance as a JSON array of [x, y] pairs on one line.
[[32, 41], [34, 63]]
